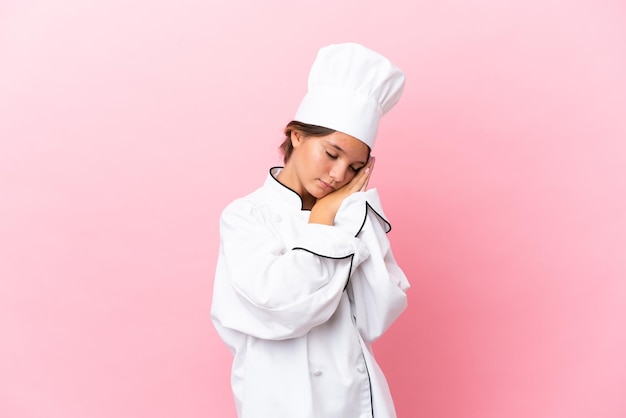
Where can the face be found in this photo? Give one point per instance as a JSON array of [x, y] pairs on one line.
[[320, 165]]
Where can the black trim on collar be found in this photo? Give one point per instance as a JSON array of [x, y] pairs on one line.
[[367, 205], [288, 188]]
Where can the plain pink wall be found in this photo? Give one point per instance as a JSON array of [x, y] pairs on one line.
[[126, 126]]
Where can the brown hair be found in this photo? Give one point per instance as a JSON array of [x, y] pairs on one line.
[[286, 148]]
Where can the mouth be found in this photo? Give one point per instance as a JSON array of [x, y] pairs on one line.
[[326, 185]]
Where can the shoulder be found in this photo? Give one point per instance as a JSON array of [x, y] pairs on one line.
[[247, 206]]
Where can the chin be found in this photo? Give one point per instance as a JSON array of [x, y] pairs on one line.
[[317, 193]]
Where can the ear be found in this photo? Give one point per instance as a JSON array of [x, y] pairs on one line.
[[296, 138]]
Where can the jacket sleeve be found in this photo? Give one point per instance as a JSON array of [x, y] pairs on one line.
[[377, 287], [271, 292]]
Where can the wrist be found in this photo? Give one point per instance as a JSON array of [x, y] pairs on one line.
[[320, 216]]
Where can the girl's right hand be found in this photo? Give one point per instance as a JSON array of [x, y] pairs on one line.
[[325, 209]]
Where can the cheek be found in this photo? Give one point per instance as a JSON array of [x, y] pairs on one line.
[[350, 175], [320, 161], [310, 161]]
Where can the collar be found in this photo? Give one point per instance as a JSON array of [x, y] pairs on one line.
[[284, 193]]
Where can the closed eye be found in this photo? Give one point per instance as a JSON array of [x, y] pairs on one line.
[[334, 157]]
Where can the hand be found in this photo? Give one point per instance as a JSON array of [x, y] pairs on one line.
[[325, 209]]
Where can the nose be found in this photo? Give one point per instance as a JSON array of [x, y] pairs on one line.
[[338, 172]]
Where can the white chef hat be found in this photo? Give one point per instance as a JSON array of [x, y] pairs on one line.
[[350, 88]]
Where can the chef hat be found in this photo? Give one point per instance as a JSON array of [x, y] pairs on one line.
[[350, 88]]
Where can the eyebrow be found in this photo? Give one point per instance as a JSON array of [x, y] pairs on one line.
[[338, 148]]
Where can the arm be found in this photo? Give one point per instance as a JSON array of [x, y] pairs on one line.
[[272, 292], [377, 287]]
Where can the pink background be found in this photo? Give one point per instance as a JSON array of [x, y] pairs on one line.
[[126, 126]]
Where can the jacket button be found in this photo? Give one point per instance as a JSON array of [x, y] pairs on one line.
[[360, 369], [317, 373]]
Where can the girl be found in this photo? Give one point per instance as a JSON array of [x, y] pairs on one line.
[[305, 279]]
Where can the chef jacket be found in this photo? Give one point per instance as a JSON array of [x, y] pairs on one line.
[[299, 305]]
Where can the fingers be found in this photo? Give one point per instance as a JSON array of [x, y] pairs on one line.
[[369, 167], [367, 179], [360, 181]]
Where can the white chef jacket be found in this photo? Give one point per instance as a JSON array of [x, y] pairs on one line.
[[299, 305]]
